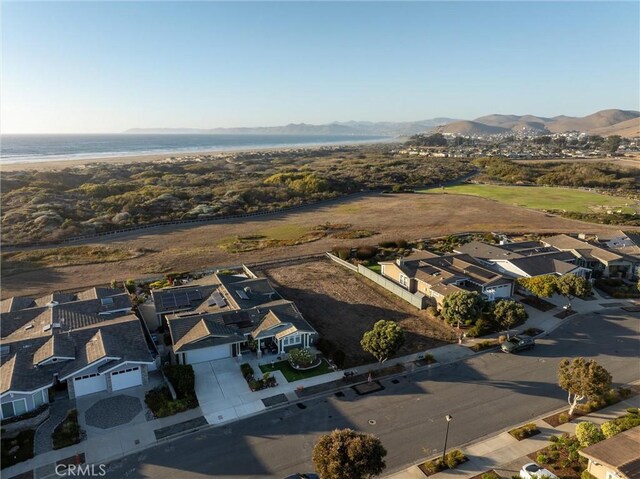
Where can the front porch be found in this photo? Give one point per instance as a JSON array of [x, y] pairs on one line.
[[268, 346]]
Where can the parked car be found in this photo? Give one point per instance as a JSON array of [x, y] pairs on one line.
[[518, 343], [309, 475], [533, 471]]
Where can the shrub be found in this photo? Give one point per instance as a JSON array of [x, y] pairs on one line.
[[454, 458], [433, 467], [182, 379], [339, 358], [342, 252], [525, 431], [68, 432], [554, 439], [403, 244], [481, 328], [587, 475], [624, 393], [247, 370], [490, 475], [542, 458], [564, 417], [366, 252], [387, 244], [433, 311], [302, 358], [588, 434], [633, 410], [610, 429]]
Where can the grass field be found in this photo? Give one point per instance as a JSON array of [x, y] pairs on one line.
[[543, 198]]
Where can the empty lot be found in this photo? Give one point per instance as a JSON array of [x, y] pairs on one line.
[[343, 305], [192, 247]]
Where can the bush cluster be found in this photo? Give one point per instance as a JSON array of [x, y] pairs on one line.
[[525, 431]]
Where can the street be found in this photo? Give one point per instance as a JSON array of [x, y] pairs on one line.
[[484, 394]]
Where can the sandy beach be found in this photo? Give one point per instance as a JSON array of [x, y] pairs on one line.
[[60, 164]]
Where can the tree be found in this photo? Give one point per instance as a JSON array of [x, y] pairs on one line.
[[542, 286], [384, 340], [508, 312], [582, 379], [610, 429], [571, 286], [612, 143], [462, 307], [588, 434], [347, 454]]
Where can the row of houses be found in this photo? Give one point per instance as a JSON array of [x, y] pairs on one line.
[[492, 269]]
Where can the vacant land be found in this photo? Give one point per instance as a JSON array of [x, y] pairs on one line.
[[343, 305], [544, 198], [192, 247]]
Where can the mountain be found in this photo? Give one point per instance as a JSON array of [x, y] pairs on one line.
[[607, 121], [383, 128], [629, 129], [471, 128], [600, 119]]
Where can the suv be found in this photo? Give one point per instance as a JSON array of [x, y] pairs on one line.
[[518, 343]]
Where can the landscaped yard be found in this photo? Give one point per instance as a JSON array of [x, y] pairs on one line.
[[342, 305], [542, 197], [68, 432], [17, 449], [291, 374]]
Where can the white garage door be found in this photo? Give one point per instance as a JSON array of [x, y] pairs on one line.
[[209, 354], [89, 384], [127, 378]]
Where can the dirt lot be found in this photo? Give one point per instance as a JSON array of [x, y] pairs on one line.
[[191, 247], [343, 305]]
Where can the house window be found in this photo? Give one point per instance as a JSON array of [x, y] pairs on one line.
[[404, 281], [14, 408], [38, 398]]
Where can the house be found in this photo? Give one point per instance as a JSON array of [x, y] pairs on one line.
[[524, 259], [626, 243], [242, 308], [437, 276], [88, 342], [604, 261], [615, 458]]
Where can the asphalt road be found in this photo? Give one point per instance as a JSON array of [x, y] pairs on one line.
[[484, 394]]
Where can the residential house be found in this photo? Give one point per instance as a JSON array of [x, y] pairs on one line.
[[437, 276], [615, 458], [524, 259], [88, 342], [240, 309], [603, 261], [626, 243]]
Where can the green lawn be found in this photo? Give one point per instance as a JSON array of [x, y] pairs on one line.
[[291, 374], [376, 268], [540, 197]]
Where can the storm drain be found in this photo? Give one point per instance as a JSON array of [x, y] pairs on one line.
[[372, 421], [340, 394], [301, 406], [395, 381]]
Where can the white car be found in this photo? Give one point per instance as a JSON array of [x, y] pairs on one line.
[[533, 471]]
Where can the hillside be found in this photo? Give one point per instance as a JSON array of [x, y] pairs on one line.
[[471, 128], [601, 119], [629, 129]]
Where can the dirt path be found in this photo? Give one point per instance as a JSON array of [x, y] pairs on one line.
[[409, 216]]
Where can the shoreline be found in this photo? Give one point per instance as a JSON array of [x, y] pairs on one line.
[[75, 162]]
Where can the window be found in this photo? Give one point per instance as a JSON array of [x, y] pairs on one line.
[[404, 281], [14, 408], [38, 398], [7, 410]]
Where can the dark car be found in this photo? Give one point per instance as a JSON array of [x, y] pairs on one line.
[[518, 343]]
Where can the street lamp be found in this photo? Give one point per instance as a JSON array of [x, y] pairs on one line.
[[446, 436]]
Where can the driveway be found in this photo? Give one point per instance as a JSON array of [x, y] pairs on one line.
[[222, 392]]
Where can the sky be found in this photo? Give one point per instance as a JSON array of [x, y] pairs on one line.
[[105, 67]]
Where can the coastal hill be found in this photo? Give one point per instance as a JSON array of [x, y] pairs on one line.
[[605, 122]]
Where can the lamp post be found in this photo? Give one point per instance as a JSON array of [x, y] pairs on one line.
[[446, 436]]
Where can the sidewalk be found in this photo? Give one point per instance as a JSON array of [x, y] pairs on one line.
[[131, 438], [503, 451]]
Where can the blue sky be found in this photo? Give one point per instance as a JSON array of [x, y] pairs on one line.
[[107, 67]]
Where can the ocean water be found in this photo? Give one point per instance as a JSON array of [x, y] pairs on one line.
[[39, 148]]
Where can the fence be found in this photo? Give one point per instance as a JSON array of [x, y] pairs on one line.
[[341, 262], [418, 300]]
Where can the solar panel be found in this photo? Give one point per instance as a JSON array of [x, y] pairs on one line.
[[241, 294], [181, 298], [244, 324], [218, 300], [194, 295]]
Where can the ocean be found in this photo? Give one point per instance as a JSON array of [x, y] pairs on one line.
[[41, 148]]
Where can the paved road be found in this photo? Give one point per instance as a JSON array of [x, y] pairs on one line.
[[484, 394]]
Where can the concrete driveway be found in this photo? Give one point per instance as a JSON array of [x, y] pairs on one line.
[[222, 392]]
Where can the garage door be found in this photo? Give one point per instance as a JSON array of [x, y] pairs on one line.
[[89, 384], [209, 354], [127, 378]]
